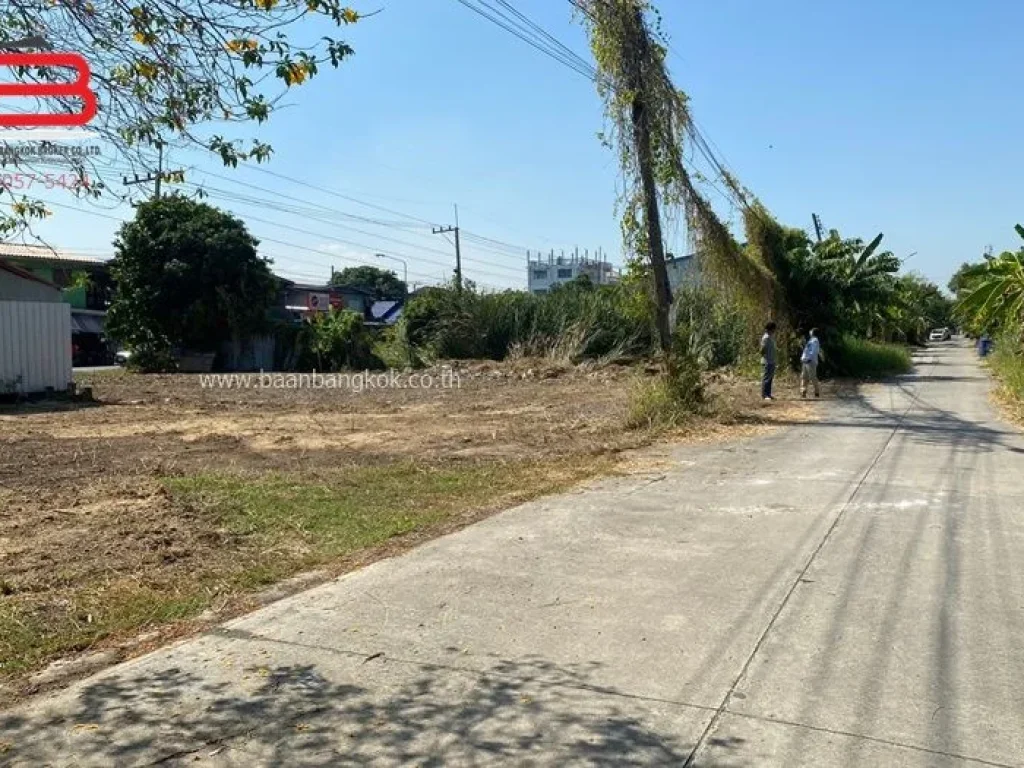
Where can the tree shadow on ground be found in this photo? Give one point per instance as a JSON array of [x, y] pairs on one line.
[[524, 712], [924, 422], [18, 406]]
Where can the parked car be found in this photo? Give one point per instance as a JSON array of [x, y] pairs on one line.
[[89, 350], [940, 334], [122, 357]]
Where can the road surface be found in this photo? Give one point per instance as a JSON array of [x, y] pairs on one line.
[[848, 592]]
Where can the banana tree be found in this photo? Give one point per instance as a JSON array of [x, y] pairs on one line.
[[863, 278], [996, 297]]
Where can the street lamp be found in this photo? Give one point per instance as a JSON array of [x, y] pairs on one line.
[[405, 267]]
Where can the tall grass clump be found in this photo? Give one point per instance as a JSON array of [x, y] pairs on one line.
[[572, 323], [862, 359], [1007, 363], [668, 400], [712, 330]]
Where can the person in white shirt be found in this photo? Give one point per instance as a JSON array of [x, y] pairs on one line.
[[809, 364]]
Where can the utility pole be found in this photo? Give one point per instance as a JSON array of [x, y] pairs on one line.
[[637, 51], [458, 249], [818, 229], [157, 177]]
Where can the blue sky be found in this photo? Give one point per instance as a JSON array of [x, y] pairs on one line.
[[894, 116]]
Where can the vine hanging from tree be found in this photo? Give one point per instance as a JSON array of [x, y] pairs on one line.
[[650, 126]]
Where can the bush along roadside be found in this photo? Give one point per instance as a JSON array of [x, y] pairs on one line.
[[862, 359], [1007, 364]]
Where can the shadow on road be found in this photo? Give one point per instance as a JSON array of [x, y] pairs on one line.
[[924, 422], [529, 711]]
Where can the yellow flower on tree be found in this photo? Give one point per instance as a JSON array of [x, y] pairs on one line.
[[241, 45], [147, 69], [296, 74]]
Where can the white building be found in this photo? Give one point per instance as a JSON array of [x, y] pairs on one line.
[[682, 270], [35, 334], [545, 271]]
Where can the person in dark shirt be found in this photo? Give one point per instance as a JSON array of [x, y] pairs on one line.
[[768, 360]]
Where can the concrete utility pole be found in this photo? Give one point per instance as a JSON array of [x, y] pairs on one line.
[[157, 177], [458, 248], [636, 52]]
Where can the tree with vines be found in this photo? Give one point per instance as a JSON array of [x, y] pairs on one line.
[[650, 126]]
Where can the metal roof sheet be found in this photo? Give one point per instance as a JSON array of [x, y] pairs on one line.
[[45, 253]]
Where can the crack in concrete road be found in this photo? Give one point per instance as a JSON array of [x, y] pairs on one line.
[[801, 578]]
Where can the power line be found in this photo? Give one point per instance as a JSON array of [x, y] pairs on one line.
[[489, 244], [558, 44], [491, 266], [488, 269], [258, 236], [531, 38], [517, 249], [321, 216], [335, 193]]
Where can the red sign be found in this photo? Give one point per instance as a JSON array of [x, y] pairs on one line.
[[78, 89]]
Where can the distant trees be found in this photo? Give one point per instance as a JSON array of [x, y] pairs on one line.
[[917, 306], [188, 276], [383, 283]]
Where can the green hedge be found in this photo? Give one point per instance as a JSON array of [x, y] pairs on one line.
[[858, 358]]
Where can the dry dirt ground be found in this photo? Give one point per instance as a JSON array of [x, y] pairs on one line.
[[164, 506]]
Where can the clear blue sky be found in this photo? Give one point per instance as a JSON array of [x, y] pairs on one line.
[[900, 117]]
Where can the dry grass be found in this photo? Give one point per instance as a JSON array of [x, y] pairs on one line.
[[166, 501], [1008, 368]]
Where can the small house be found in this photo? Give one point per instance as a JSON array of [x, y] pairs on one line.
[[84, 283]]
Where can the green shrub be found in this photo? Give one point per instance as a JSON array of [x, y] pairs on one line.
[[863, 359], [667, 401], [152, 353], [338, 340], [440, 322], [709, 327], [393, 349]]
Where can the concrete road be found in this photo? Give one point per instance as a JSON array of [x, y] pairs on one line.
[[842, 593]]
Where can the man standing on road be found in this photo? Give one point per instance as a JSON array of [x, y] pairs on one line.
[[768, 360], [809, 364]]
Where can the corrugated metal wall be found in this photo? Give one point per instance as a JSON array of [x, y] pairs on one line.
[[253, 354], [35, 346]]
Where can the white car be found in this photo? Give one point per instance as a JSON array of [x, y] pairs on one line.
[[940, 334], [122, 357]]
